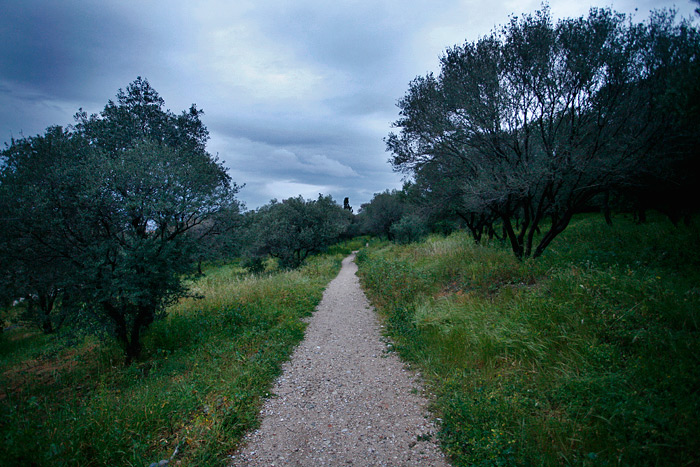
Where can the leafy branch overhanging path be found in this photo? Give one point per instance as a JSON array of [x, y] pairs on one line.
[[342, 399]]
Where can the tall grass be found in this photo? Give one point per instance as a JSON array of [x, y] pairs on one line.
[[197, 389], [587, 356]]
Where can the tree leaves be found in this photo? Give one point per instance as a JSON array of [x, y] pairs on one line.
[[294, 228], [108, 207], [536, 119]]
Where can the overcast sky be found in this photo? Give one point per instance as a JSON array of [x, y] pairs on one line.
[[297, 94]]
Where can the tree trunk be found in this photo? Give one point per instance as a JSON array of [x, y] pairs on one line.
[[515, 245], [119, 321], [473, 225], [46, 302], [640, 215], [144, 317], [133, 346], [558, 227], [606, 207]]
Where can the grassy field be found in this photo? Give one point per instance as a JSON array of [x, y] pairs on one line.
[[589, 355], [68, 399]]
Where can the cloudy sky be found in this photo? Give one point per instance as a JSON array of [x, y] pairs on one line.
[[297, 94]]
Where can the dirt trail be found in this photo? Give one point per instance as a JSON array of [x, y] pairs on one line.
[[342, 399]]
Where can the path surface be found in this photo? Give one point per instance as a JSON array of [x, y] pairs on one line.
[[342, 399]]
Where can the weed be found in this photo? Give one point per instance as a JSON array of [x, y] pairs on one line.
[[198, 387], [586, 356]]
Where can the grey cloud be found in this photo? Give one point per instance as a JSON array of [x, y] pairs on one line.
[[279, 130], [298, 94], [61, 47], [341, 170], [366, 102]]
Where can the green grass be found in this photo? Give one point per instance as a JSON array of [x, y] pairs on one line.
[[198, 387], [587, 356]]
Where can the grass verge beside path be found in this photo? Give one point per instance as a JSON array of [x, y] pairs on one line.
[[198, 386], [586, 356]]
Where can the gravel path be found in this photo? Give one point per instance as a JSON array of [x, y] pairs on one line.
[[342, 399]]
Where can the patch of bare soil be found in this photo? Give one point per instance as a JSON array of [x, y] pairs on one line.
[[41, 373]]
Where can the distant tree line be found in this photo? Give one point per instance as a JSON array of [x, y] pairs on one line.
[[293, 229], [537, 121]]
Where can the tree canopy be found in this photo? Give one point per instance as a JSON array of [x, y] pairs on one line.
[[107, 206], [293, 229], [382, 212], [533, 121]]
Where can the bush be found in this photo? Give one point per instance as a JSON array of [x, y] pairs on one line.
[[409, 229], [254, 264]]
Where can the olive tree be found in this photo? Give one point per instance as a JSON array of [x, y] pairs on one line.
[[36, 178], [533, 121], [382, 212], [126, 187], [293, 229]]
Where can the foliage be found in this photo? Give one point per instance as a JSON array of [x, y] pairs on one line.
[[346, 205], [204, 373], [293, 229], [410, 228], [381, 212], [586, 357], [36, 176], [107, 209], [220, 238], [533, 121]]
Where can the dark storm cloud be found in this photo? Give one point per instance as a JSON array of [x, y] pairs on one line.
[[297, 94], [58, 56], [281, 130], [59, 48]]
